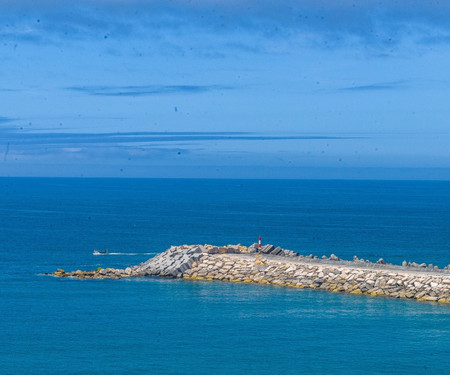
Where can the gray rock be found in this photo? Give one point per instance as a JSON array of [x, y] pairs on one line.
[[266, 249], [195, 250], [214, 250], [288, 253], [334, 257], [252, 248], [277, 251], [184, 267], [381, 261]]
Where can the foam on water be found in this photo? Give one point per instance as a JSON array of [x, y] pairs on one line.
[[153, 253]]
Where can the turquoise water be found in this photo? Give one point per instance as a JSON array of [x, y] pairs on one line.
[[51, 325]]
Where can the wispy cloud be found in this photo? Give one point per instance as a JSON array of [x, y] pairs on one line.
[[48, 138], [375, 86], [5, 119], [147, 89], [380, 23], [5, 155], [139, 146]]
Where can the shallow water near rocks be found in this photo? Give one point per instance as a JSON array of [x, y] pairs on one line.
[[164, 326]]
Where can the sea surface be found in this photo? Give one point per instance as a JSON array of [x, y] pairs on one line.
[[160, 326]]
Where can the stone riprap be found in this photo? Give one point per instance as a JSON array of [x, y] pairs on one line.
[[277, 266]]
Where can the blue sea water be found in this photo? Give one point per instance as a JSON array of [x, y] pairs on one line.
[[160, 326]]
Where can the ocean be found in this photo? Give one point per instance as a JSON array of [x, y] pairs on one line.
[[162, 326]]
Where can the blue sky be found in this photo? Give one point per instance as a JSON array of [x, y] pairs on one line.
[[268, 89]]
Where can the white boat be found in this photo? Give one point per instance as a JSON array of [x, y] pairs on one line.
[[101, 252]]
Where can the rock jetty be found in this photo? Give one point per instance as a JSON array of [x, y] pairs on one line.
[[277, 266]]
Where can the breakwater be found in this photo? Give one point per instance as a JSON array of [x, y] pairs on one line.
[[277, 266]]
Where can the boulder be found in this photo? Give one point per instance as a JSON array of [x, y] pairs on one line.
[[252, 248], [225, 250], [277, 251], [291, 253], [266, 249]]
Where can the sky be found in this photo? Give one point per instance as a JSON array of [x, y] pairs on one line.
[[225, 89]]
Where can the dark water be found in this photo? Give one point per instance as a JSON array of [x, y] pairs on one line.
[[51, 325]]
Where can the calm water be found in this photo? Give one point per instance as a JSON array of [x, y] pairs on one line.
[[51, 325]]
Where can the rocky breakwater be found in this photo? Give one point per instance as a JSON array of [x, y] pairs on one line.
[[277, 266]]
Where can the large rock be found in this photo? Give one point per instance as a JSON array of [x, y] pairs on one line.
[[266, 249], [253, 248], [277, 251], [174, 261]]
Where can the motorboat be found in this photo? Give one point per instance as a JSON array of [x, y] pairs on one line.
[[101, 252]]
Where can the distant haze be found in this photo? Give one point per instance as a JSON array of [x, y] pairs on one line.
[[225, 89]]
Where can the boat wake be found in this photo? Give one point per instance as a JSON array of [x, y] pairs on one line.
[[126, 253]]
